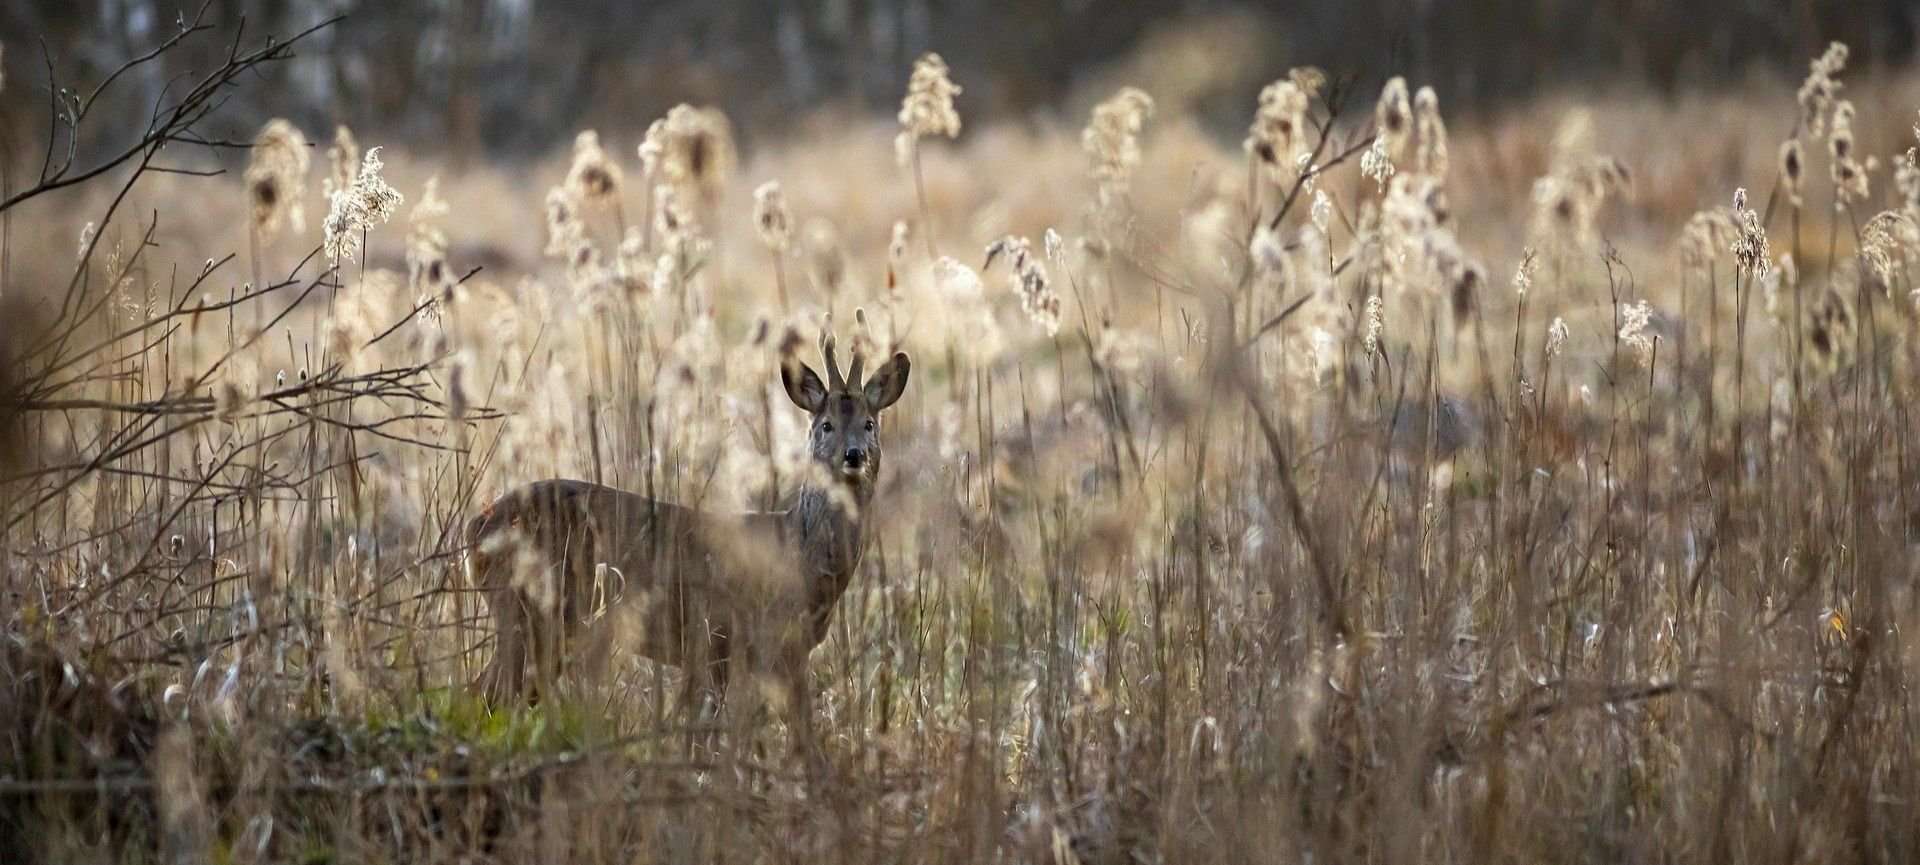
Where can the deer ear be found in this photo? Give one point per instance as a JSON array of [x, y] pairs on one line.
[[888, 382], [803, 386]]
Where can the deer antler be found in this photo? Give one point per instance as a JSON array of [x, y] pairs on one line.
[[835, 383], [862, 339], [853, 370]]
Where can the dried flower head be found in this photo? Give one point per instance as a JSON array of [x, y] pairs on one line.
[[427, 272], [1822, 84], [1432, 154], [1523, 273], [1417, 248], [1268, 252], [1322, 211], [566, 231], [1830, 333], [770, 216], [632, 266], [927, 110], [343, 162], [1310, 79], [1028, 277], [1906, 180], [1568, 202], [1781, 279], [1393, 118], [368, 201], [1793, 170], [1887, 242], [971, 316], [277, 178], [1557, 334], [1278, 135], [593, 178], [1749, 246], [1112, 141], [1375, 164], [1849, 176], [1708, 235], [825, 258], [692, 149], [674, 224], [1635, 330]]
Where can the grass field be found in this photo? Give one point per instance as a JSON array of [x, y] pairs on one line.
[[1534, 488]]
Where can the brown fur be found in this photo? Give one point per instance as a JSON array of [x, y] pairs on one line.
[[713, 588]]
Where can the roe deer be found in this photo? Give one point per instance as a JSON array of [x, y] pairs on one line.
[[552, 554]]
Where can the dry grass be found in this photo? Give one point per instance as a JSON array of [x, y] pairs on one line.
[[1221, 571]]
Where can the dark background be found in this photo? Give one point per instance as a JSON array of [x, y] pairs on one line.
[[513, 77]]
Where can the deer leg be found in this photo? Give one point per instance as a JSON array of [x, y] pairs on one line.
[[800, 714], [719, 666], [500, 681], [545, 628]]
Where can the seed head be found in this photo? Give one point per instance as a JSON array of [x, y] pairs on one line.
[[691, 149], [277, 178], [1432, 155], [1269, 254], [672, 221], [368, 201], [1557, 337], [1708, 235], [427, 244], [1322, 211], [1849, 176], [593, 178], [1750, 251], [826, 260], [343, 162], [565, 229], [1523, 274], [1906, 181], [1793, 170], [928, 108], [971, 315], [1830, 333], [1886, 243], [770, 216], [1376, 164], [1055, 246], [1393, 118], [1112, 141], [1278, 134], [1822, 84], [1028, 278], [1635, 333]]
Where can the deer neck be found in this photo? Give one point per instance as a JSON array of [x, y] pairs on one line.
[[828, 536]]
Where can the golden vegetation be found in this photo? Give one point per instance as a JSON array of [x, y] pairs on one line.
[[1239, 512]]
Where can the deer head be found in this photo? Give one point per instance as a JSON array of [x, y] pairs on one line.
[[844, 412]]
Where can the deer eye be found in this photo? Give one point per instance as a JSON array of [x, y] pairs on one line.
[[826, 427], [869, 424]]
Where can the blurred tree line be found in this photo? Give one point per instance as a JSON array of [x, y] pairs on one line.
[[503, 77]]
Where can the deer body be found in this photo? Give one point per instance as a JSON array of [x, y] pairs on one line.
[[714, 589]]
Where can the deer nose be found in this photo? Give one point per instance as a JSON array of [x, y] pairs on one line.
[[856, 458]]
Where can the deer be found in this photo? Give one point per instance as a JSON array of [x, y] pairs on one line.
[[717, 590]]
